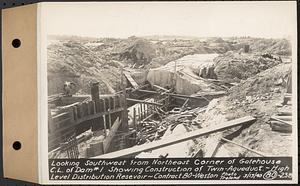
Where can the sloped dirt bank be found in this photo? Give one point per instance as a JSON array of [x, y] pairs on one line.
[[259, 97]]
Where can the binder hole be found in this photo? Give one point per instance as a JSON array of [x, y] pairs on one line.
[[16, 43], [17, 145]]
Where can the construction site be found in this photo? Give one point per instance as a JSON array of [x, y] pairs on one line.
[[167, 97]]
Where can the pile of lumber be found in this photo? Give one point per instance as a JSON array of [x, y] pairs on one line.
[[151, 130], [282, 122]]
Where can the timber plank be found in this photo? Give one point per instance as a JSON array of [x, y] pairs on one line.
[[180, 138]]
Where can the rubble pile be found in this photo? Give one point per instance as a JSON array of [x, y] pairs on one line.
[[169, 127]]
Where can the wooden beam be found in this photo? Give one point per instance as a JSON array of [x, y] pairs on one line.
[[131, 80], [185, 103], [142, 101], [141, 87], [90, 117], [147, 117], [184, 137], [109, 138], [280, 120], [288, 95], [121, 91], [162, 88], [247, 148], [175, 95]]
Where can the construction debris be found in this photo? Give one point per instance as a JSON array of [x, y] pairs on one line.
[[180, 138], [281, 123]]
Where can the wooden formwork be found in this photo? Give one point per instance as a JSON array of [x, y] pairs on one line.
[[70, 118]]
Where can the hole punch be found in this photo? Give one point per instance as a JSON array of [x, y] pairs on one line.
[[16, 43], [17, 145]]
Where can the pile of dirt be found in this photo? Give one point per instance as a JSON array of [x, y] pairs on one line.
[[84, 59], [167, 51], [258, 96], [233, 67], [140, 52], [74, 61], [273, 46]]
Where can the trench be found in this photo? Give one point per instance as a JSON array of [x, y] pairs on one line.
[[163, 105]]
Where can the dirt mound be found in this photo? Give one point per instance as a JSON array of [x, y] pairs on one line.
[[273, 46], [267, 82], [82, 59], [76, 62], [139, 51], [258, 96], [233, 67]]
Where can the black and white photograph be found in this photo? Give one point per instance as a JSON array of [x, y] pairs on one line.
[[171, 80]]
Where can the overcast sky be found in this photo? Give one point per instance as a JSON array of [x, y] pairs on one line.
[[202, 19]]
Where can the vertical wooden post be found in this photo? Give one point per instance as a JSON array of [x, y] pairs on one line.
[[89, 110], [134, 116], [139, 110], [115, 102], [94, 105], [109, 113], [79, 113], [85, 109], [141, 107], [71, 114], [95, 91], [104, 118], [145, 111], [75, 112]]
